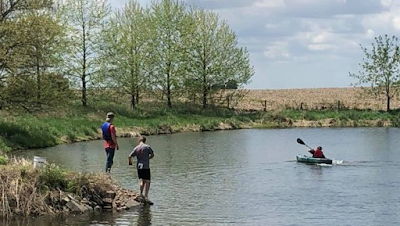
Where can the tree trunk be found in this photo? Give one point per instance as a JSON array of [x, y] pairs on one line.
[[388, 104], [169, 86], [169, 93], [84, 101], [205, 93], [137, 95], [133, 101], [205, 90], [39, 82]]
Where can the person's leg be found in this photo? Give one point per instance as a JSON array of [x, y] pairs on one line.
[[110, 158], [107, 157], [141, 185], [147, 184]]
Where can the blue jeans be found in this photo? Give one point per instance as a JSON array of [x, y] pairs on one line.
[[110, 157]]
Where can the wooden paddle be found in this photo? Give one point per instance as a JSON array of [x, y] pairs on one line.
[[302, 143]]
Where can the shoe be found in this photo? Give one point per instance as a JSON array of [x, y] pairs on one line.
[[149, 202], [140, 198]]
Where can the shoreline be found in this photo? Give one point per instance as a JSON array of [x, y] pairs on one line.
[[23, 132], [289, 124]]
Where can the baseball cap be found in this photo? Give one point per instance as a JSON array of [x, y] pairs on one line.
[[110, 115]]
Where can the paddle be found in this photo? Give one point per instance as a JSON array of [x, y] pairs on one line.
[[302, 143]]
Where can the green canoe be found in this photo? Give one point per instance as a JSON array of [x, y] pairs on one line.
[[311, 160]]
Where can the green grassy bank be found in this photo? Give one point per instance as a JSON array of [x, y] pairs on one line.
[[331, 118], [75, 123], [25, 131]]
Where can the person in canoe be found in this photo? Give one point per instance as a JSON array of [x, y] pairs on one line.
[[317, 153]]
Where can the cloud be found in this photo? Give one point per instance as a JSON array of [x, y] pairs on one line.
[[289, 38], [270, 4], [220, 4], [278, 51]]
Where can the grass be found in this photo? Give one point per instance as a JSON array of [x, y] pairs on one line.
[[29, 191], [341, 118], [75, 123]]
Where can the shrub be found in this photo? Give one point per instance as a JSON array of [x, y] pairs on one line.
[[54, 177], [3, 160]]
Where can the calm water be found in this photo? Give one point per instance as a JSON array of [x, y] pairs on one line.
[[249, 177]]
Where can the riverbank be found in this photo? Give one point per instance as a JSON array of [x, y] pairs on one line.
[[74, 124], [329, 118], [29, 191]]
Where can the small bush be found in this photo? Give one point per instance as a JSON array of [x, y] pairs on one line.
[[54, 177], [3, 160], [71, 135]]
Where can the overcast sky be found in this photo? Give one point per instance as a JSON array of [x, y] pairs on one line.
[[304, 43]]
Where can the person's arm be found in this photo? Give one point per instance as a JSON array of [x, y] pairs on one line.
[[113, 136], [132, 154], [311, 151], [151, 153]]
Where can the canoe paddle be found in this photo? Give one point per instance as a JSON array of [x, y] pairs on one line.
[[302, 143]]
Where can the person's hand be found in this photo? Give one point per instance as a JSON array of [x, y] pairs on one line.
[[117, 146], [130, 161]]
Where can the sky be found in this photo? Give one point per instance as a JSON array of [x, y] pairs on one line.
[[303, 43]]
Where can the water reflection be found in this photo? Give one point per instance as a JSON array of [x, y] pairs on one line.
[[144, 216]]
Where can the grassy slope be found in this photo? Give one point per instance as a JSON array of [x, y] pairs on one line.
[[23, 131]]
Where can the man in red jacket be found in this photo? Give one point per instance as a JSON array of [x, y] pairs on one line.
[[317, 153]]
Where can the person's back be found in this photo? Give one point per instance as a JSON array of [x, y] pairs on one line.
[[317, 153], [142, 153]]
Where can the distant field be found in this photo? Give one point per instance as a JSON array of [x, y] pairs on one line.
[[318, 98]]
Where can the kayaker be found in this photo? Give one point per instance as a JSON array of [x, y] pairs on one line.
[[143, 153], [110, 137], [317, 153]]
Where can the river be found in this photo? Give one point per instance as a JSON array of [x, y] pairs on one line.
[[250, 177]]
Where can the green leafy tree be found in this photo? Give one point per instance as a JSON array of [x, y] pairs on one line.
[[42, 52], [380, 69], [170, 25], [215, 58], [86, 20], [125, 51], [29, 34]]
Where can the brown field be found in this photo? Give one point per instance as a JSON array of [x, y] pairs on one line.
[[317, 98]]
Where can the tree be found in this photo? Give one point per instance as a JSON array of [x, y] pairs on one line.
[[29, 51], [170, 25], [380, 69], [86, 20], [215, 58], [125, 52], [42, 52]]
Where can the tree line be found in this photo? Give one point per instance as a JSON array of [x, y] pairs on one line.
[[49, 49]]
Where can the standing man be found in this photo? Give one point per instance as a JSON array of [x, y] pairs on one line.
[[110, 137], [143, 153]]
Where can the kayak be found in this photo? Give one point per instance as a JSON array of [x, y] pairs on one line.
[[311, 160]]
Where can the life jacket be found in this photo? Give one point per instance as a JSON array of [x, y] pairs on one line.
[[106, 131], [318, 154]]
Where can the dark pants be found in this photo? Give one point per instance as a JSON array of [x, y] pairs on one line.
[[110, 157]]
